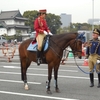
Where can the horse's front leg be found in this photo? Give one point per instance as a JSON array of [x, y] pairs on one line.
[[49, 79], [23, 74], [55, 78], [26, 87]]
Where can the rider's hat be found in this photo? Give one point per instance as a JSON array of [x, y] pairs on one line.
[[96, 31], [43, 11]]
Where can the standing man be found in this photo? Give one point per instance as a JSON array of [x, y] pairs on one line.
[[41, 28], [93, 52]]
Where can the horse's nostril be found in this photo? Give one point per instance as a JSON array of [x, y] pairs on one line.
[[80, 57]]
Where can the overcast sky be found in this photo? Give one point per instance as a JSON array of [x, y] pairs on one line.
[[81, 10]]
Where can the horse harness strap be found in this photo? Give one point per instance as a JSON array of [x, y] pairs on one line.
[[55, 51], [97, 47], [76, 47], [62, 48], [57, 45]]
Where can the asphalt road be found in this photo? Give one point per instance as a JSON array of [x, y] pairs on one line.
[[73, 84]]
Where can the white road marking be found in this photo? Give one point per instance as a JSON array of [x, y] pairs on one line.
[[60, 76], [11, 67], [16, 67], [13, 81], [72, 66], [37, 96], [17, 63]]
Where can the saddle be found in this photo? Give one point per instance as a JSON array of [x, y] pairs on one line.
[[33, 45]]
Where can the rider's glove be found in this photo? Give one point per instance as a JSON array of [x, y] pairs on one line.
[[50, 33], [45, 32], [98, 61]]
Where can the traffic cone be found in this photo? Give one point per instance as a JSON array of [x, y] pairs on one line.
[[83, 52], [85, 62], [70, 55]]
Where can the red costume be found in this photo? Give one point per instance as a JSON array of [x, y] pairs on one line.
[[40, 25]]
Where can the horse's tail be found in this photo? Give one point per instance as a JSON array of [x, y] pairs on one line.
[[20, 58], [19, 49]]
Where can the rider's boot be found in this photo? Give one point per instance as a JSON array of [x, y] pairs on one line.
[[38, 57], [91, 79], [98, 80]]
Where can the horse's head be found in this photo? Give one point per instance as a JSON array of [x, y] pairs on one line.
[[76, 46]]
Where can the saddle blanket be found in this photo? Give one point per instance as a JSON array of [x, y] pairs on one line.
[[33, 47]]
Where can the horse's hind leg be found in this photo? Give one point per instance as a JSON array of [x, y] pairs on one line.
[[55, 78], [24, 65]]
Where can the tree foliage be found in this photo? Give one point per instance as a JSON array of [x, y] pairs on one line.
[[31, 15], [54, 23], [53, 20], [74, 27]]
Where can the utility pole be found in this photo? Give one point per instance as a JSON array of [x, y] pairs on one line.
[[92, 15]]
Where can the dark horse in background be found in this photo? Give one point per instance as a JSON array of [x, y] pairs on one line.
[[53, 56]]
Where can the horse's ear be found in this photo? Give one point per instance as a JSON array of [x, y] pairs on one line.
[[80, 36]]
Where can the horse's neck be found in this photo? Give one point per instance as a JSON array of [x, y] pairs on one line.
[[64, 40]]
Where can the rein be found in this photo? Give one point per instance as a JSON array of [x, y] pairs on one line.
[[73, 51], [82, 69], [94, 69], [57, 45], [55, 51], [75, 44]]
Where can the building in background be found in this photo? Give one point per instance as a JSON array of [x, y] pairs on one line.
[[66, 19], [94, 21], [12, 23]]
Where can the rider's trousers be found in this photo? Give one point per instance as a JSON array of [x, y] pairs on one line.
[[39, 40], [92, 62]]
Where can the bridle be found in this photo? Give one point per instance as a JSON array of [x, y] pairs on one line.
[[75, 52]]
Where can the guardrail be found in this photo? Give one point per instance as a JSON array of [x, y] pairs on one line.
[[7, 52]]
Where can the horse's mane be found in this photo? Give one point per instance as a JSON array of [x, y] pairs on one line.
[[65, 34], [58, 36]]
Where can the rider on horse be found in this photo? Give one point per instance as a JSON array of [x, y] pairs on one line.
[[41, 28]]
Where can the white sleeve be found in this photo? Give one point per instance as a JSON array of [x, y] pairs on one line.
[[45, 32], [50, 33]]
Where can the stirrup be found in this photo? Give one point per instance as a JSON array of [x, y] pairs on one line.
[[38, 61]]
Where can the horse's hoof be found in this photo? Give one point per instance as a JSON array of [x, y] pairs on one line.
[[49, 92], [63, 63], [26, 87], [57, 90]]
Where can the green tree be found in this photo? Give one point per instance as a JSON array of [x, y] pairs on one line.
[[53, 20], [79, 26], [31, 15]]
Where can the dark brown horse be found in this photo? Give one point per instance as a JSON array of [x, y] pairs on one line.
[[53, 56]]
